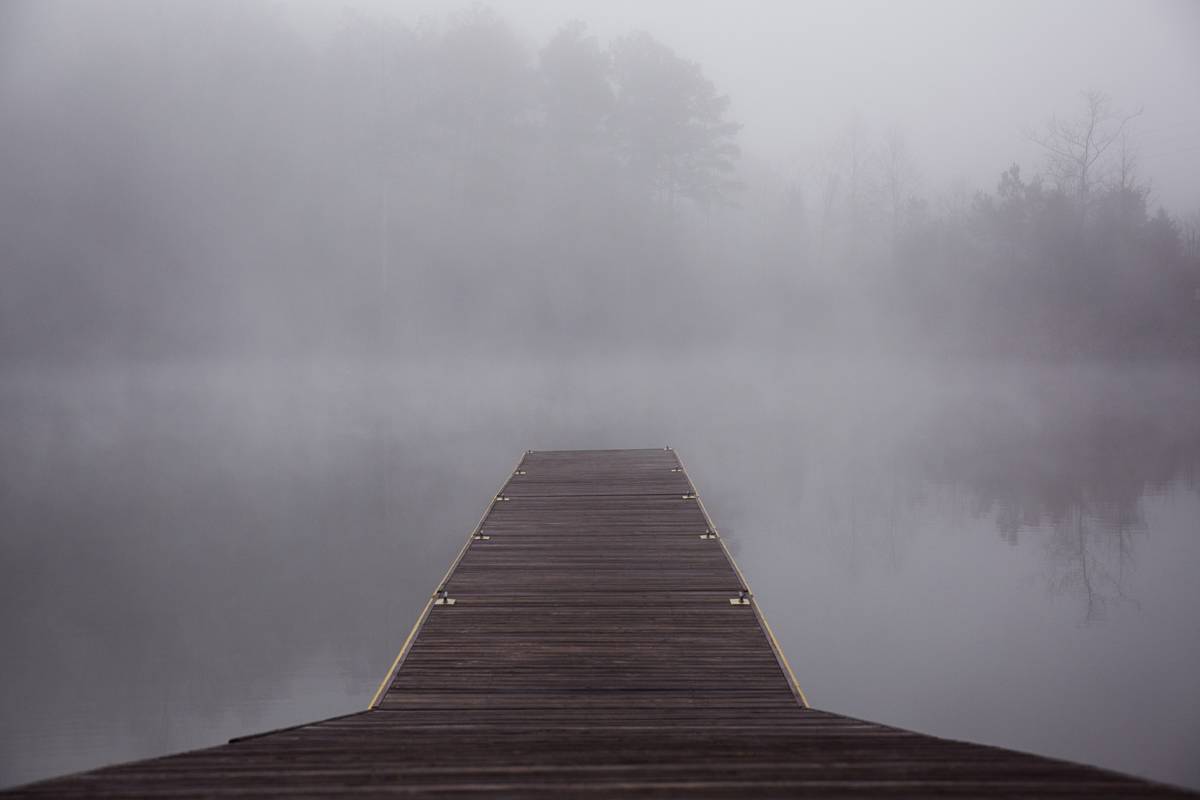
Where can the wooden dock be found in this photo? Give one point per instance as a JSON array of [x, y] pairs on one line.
[[595, 638]]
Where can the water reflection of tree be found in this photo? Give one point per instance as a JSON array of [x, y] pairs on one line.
[[1073, 476], [870, 507], [1091, 558]]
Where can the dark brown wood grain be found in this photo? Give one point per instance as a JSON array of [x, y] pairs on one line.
[[592, 650]]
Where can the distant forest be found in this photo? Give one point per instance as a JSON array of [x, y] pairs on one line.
[[212, 182]]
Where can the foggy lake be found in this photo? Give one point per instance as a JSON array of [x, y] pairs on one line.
[[913, 289], [999, 552]]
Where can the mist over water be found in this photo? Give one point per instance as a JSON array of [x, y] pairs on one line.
[[999, 552], [284, 296]]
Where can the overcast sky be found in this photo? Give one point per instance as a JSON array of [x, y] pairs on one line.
[[962, 80]]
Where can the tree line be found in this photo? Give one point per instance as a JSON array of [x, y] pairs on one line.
[[206, 180]]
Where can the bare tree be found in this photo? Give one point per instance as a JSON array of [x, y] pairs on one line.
[[830, 186], [1075, 146], [899, 180], [1126, 177], [848, 180], [1191, 239], [854, 152]]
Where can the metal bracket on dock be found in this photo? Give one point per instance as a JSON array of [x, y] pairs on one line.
[[444, 599], [743, 599], [519, 472], [480, 537], [690, 496], [676, 469], [708, 535], [501, 498]]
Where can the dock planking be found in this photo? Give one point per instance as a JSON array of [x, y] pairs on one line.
[[585, 643]]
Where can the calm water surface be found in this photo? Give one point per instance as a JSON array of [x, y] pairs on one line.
[[998, 552]]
